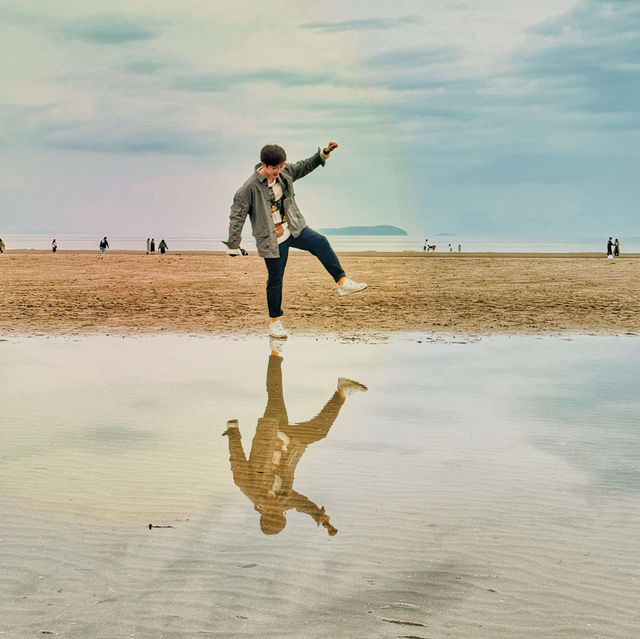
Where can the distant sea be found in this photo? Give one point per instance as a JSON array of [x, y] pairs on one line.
[[558, 244]]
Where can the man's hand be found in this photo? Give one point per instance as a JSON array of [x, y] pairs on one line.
[[330, 147], [234, 252]]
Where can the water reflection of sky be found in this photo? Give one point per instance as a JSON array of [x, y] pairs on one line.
[[139, 409], [477, 487], [576, 398]]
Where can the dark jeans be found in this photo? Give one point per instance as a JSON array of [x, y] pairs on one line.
[[308, 240]]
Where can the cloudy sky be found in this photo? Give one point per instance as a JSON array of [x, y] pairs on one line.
[[479, 117]]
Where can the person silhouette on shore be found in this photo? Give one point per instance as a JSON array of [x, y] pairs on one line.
[[152, 246], [610, 247], [104, 245], [148, 245], [616, 248], [163, 246], [54, 246], [266, 478]]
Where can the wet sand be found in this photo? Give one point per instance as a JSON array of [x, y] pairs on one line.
[[486, 490], [211, 293]]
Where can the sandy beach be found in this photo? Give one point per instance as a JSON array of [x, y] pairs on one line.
[[482, 482], [211, 293]]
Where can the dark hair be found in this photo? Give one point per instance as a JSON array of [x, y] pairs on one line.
[[272, 155]]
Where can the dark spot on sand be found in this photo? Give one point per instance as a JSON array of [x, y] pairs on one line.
[[402, 622]]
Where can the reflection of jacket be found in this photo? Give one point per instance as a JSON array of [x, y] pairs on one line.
[[277, 448], [275, 480], [252, 199]]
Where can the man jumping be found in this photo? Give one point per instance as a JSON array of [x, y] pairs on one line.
[[268, 198]]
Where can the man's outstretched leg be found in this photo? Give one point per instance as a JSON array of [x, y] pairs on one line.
[[318, 245]]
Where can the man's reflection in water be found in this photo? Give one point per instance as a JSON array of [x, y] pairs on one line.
[[267, 477]]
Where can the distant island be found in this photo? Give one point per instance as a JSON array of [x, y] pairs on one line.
[[382, 229]]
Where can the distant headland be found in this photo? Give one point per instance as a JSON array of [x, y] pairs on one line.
[[382, 229]]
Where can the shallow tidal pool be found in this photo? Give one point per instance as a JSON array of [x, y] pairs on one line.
[[415, 487]]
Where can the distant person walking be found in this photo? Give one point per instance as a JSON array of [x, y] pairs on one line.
[[610, 247], [163, 247], [148, 245], [450, 248], [1, 246], [104, 245], [459, 248], [152, 246], [425, 245], [54, 246], [616, 248]]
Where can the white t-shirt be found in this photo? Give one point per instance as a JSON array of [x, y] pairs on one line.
[[276, 187]]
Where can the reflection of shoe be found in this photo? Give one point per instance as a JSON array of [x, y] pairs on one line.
[[276, 329], [276, 344], [232, 423], [349, 286], [349, 386]]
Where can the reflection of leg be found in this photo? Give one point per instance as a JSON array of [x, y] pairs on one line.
[[275, 269], [318, 427], [275, 408], [318, 245], [265, 442]]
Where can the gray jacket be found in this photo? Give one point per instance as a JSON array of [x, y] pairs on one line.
[[252, 199]]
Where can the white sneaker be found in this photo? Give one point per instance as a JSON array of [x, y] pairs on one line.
[[276, 329], [277, 345], [349, 386], [349, 286]]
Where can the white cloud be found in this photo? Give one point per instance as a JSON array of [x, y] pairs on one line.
[[436, 88]]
